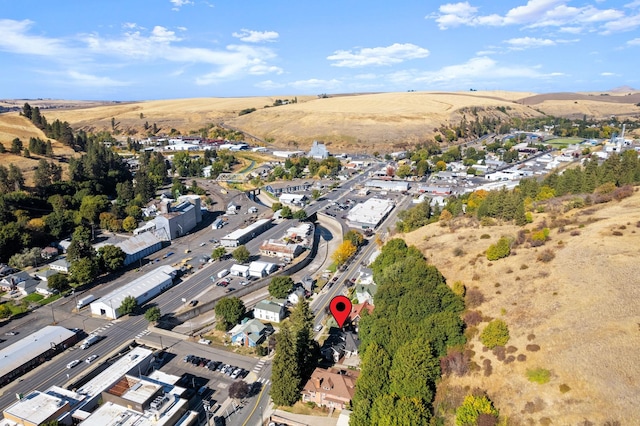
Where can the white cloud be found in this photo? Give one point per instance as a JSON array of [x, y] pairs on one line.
[[269, 85], [609, 74], [528, 43], [534, 14], [634, 42], [473, 72], [377, 56], [262, 69], [88, 80], [177, 4], [14, 39], [250, 36], [628, 23]]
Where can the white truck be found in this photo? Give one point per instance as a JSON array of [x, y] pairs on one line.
[[85, 301], [89, 341], [223, 273]]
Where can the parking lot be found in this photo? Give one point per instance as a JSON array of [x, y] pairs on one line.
[[206, 371]]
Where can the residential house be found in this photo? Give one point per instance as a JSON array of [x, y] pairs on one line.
[[365, 292], [293, 199], [340, 344], [287, 187], [249, 334], [6, 270], [44, 275], [43, 289], [270, 311], [296, 296], [10, 282], [48, 252], [60, 265], [307, 283], [357, 309], [330, 388], [27, 286]]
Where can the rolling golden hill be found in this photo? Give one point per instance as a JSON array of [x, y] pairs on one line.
[[351, 123]]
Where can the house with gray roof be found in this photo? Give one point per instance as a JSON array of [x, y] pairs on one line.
[[250, 333], [270, 311]]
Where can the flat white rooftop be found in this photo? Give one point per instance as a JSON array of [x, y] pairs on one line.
[[138, 287], [371, 211]]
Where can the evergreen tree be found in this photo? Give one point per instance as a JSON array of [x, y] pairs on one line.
[[285, 386], [372, 383], [302, 329]]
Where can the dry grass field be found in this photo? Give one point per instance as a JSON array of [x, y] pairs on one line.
[[14, 126], [577, 315], [349, 123]]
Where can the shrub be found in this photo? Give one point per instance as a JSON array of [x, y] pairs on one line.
[[546, 256], [472, 318], [474, 298], [540, 236], [487, 236], [458, 251], [564, 388], [496, 333], [533, 348], [459, 288], [539, 375], [488, 369], [499, 250], [471, 409], [455, 362], [521, 357]]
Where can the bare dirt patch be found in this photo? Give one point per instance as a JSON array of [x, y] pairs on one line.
[[576, 315]]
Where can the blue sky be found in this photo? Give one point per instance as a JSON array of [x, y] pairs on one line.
[[164, 49]]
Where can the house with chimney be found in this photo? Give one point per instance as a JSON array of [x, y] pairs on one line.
[[330, 388]]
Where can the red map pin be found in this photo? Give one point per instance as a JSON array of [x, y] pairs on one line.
[[340, 307]]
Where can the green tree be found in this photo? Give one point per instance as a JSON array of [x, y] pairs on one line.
[[300, 214], [372, 383], [414, 370], [239, 389], [5, 311], [302, 327], [472, 407], [218, 253], [276, 206], [280, 287], [58, 282], [153, 314], [229, 311], [92, 206], [241, 254], [397, 410], [286, 375], [286, 213], [129, 223], [356, 238], [315, 194], [83, 271], [496, 333], [111, 257], [499, 250], [128, 306]]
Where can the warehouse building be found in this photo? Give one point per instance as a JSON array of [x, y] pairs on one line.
[[143, 289], [370, 214], [33, 350], [173, 222], [244, 235], [139, 247]]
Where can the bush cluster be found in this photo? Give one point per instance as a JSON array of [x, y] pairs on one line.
[[496, 333], [499, 250]]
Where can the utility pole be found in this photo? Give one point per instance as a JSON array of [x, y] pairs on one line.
[[206, 406], [53, 317]]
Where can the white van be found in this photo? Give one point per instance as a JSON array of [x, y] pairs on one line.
[[223, 273]]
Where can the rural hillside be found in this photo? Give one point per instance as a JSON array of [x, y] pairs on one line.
[[570, 306], [350, 123]]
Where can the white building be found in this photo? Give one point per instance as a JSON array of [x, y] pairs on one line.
[[370, 213], [143, 289], [293, 199], [243, 235], [260, 269], [270, 311], [239, 270]]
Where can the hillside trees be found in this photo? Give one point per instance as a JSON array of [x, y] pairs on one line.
[[415, 321], [229, 311]]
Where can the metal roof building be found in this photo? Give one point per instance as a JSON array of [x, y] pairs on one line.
[[388, 185], [143, 289], [370, 213], [33, 350], [139, 246], [241, 236]]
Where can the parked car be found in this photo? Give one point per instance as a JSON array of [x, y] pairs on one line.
[[193, 303], [11, 333], [204, 341], [317, 328]]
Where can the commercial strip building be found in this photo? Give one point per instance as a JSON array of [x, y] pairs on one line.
[[139, 246], [143, 289], [387, 185], [33, 350], [243, 235], [370, 213]]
